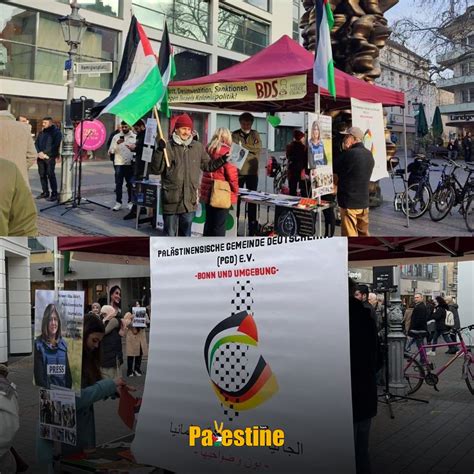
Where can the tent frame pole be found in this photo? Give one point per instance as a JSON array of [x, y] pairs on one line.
[[405, 178], [317, 110]]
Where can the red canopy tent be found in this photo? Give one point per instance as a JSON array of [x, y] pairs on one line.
[[130, 246], [286, 58]]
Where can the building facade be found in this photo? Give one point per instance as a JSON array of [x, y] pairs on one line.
[[404, 70], [15, 321], [460, 59], [207, 35]]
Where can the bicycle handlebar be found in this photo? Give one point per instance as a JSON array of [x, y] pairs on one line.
[[470, 328]]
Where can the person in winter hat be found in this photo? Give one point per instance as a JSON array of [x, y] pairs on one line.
[[181, 179]]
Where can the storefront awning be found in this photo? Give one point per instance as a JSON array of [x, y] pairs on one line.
[[277, 79]]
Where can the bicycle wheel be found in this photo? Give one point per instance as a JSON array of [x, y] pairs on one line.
[[414, 375], [419, 198], [469, 214], [470, 378], [442, 202]]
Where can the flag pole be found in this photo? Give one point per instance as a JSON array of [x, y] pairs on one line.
[[160, 131]]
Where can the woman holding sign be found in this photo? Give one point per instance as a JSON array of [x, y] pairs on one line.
[[137, 346], [216, 216], [316, 156], [51, 363]]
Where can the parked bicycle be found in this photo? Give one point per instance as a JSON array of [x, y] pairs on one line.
[[279, 173], [419, 368], [418, 187], [450, 192]]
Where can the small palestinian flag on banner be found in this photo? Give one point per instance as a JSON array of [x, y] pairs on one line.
[[139, 85], [323, 72], [167, 68]]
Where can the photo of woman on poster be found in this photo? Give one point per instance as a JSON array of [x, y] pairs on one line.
[[51, 363], [316, 154]]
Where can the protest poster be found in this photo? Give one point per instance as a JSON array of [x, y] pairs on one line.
[[139, 317], [228, 356], [369, 118], [238, 155], [58, 415], [319, 140], [321, 181], [58, 339]]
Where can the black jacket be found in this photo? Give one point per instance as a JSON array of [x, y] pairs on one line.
[[363, 341], [48, 141], [112, 348], [354, 168], [419, 318], [139, 165], [439, 315]]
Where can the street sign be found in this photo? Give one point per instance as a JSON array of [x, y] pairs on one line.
[[93, 68], [68, 64]]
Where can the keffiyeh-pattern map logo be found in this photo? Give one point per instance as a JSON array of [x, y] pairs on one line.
[[240, 376]]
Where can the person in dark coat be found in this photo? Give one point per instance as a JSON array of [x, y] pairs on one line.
[[297, 156], [180, 181], [47, 145], [362, 294], [467, 147], [454, 308], [439, 315], [418, 329], [364, 365], [354, 169]]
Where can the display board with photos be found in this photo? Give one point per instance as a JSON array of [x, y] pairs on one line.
[[139, 317], [57, 348]]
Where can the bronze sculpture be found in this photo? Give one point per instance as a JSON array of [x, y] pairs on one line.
[[360, 31]]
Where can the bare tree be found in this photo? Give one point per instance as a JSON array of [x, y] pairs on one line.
[[425, 31]]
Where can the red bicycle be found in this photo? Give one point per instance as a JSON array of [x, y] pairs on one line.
[[419, 368]]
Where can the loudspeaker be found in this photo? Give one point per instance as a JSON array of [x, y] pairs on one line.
[[81, 109]]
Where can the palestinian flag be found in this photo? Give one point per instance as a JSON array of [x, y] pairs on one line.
[[323, 72], [167, 68], [139, 85]]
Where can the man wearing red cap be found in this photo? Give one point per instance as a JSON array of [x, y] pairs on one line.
[[180, 181]]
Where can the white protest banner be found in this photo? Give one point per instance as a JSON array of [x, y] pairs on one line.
[[369, 118], [238, 155], [58, 339], [239, 346], [319, 140], [151, 131], [58, 415], [139, 317]]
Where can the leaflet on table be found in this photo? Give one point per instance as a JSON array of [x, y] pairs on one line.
[[237, 156]]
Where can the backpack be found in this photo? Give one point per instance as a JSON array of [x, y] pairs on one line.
[[449, 320]]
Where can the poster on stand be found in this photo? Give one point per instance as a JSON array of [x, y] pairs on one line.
[[321, 181], [58, 415], [58, 339], [238, 372], [319, 140], [369, 118]]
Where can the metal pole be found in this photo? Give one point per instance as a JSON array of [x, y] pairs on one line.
[[406, 163], [317, 109]]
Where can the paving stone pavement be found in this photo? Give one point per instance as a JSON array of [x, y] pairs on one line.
[[98, 185], [434, 438]]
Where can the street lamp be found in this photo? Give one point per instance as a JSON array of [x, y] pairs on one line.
[[73, 27]]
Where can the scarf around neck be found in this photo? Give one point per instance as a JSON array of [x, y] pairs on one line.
[[179, 141]]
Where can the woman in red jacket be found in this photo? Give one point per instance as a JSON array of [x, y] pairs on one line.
[[216, 218]]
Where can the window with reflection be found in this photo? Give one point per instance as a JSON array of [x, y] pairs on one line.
[[263, 4], [107, 7], [34, 49], [242, 33], [188, 18], [224, 63]]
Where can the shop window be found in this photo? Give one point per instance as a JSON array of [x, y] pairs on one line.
[[283, 136], [188, 18], [232, 123], [241, 33]]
